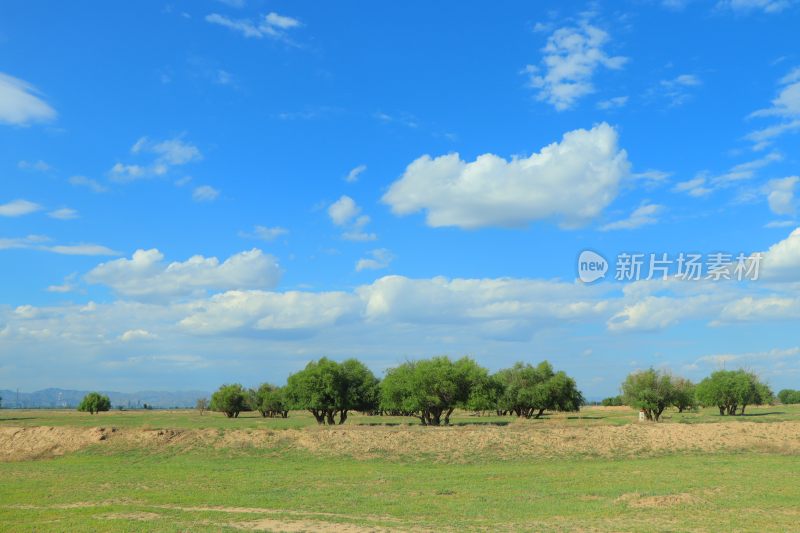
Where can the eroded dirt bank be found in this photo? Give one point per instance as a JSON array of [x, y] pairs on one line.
[[450, 444]]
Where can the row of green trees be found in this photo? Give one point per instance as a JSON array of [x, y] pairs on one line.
[[429, 389], [652, 391]]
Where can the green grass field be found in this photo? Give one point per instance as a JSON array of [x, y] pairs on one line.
[[109, 487]]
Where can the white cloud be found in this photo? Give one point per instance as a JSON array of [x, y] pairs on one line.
[[145, 275], [677, 90], [136, 335], [704, 183], [92, 185], [272, 25], [81, 249], [265, 233], [780, 195], [40, 242], [65, 213], [780, 224], [379, 259], [786, 107], [747, 6], [20, 103], [613, 103], [782, 260], [343, 210], [205, 193], [38, 166], [17, 208], [571, 57], [641, 216], [571, 181], [354, 174], [269, 311], [168, 153]]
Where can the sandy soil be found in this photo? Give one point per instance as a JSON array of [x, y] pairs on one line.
[[453, 444]]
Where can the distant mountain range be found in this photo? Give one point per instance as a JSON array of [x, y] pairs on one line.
[[71, 398]]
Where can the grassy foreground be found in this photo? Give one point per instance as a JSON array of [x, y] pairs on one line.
[[147, 488]]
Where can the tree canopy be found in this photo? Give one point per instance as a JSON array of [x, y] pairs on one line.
[[94, 402], [270, 400], [327, 389], [229, 399], [431, 389], [650, 390], [730, 390], [529, 391]]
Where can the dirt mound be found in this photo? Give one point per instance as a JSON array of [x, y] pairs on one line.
[[20, 444], [452, 444]]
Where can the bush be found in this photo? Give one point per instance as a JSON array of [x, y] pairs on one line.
[[612, 401], [94, 402], [229, 399]]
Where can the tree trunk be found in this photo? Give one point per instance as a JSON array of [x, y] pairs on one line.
[[329, 417], [721, 410], [317, 416], [537, 415], [742, 413], [447, 417], [342, 416]]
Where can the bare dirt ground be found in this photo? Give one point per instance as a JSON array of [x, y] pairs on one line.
[[452, 444]]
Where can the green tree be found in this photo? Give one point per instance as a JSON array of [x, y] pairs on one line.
[[327, 389], [270, 400], [229, 399], [684, 394], [789, 396], [612, 401], [94, 402], [650, 390], [431, 389], [529, 391], [730, 390]]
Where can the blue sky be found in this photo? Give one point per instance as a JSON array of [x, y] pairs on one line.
[[202, 192]]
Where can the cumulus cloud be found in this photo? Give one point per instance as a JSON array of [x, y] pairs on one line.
[[782, 260], [780, 195], [145, 275], [641, 216], [345, 212], [377, 260], [18, 208], [263, 311], [21, 103], [571, 57], [570, 181]]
